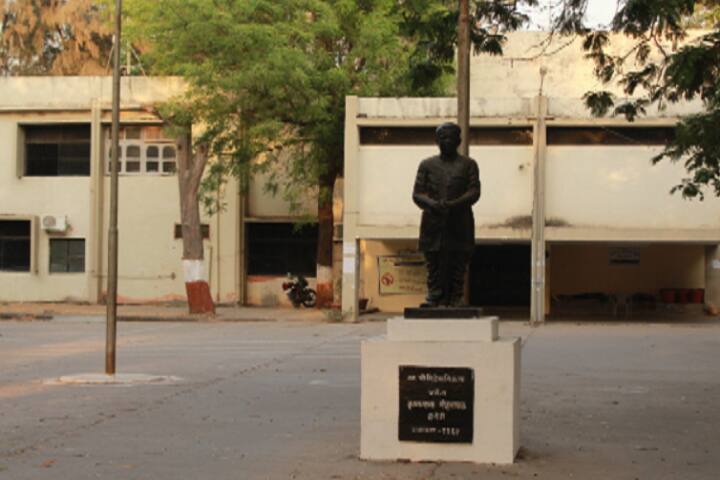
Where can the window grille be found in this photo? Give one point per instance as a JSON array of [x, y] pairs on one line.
[[144, 150]]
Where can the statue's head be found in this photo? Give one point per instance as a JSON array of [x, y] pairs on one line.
[[447, 137]]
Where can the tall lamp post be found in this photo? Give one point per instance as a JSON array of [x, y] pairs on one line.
[[463, 97], [111, 316]]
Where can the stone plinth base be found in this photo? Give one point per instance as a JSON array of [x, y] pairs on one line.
[[450, 351]]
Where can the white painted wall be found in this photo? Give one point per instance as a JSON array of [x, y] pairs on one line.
[[262, 203], [386, 175], [149, 261], [617, 187], [150, 267], [27, 93], [570, 75], [36, 196]]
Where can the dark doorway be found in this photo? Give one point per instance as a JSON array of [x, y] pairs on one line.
[[281, 248], [500, 276]]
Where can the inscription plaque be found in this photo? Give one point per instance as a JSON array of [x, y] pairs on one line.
[[436, 404]]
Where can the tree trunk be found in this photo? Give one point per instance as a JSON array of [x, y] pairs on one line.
[[190, 171], [325, 242]]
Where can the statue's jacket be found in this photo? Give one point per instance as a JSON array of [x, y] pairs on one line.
[[457, 182]]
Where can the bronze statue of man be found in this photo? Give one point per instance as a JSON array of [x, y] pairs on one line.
[[446, 187]]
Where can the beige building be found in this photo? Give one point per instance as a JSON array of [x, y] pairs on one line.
[[54, 195], [572, 212], [576, 194]]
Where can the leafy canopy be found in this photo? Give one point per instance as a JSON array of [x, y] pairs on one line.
[[268, 78]]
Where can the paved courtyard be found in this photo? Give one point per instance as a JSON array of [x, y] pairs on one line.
[[280, 400]]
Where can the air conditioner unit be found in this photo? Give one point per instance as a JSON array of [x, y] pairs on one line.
[[54, 223]]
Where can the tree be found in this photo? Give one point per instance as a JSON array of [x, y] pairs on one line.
[[191, 165], [54, 37], [432, 24], [269, 78], [665, 65]]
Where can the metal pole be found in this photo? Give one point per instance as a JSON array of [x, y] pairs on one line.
[[463, 97], [463, 75], [111, 328]]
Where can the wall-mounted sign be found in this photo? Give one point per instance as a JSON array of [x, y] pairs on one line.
[[436, 404], [402, 275], [624, 255]]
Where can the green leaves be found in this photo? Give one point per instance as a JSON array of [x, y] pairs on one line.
[[268, 78], [698, 145], [599, 103], [694, 70], [431, 25]]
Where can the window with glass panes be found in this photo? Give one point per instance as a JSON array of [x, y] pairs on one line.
[[144, 150], [67, 255], [60, 150], [15, 245]]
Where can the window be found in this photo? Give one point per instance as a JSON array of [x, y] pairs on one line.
[[279, 248], [144, 150], [152, 159], [15, 245], [67, 255], [132, 158], [168, 163], [57, 150], [426, 136]]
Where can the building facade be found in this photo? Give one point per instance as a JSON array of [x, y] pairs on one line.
[[572, 208], [54, 200]]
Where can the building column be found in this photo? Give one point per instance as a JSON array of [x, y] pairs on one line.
[[350, 248], [538, 252], [548, 294], [241, 242], [94, 241], [712, 276]]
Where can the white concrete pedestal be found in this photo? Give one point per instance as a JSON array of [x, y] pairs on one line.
[[468, 344]]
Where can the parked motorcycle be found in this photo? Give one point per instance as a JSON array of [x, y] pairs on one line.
[[299, 292]]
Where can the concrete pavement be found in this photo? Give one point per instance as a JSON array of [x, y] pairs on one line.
[[177, 312], [156, 312], [280, 400]]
